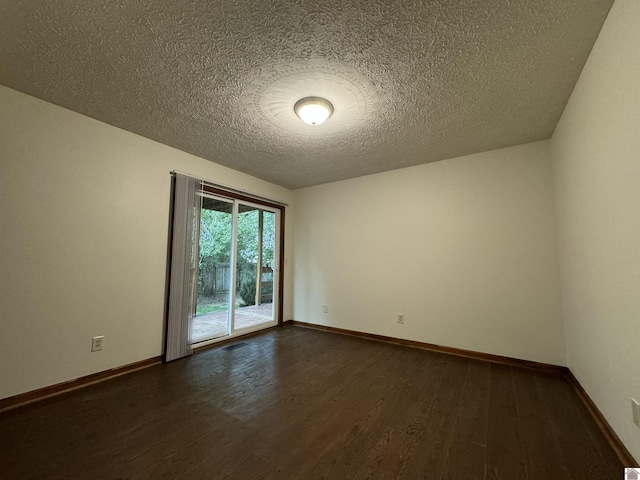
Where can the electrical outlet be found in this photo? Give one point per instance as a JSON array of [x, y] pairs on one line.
[[635, 409], [96, 343], [325, 308], [401, 318]]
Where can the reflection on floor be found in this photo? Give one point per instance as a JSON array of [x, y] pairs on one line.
[[211, 325]]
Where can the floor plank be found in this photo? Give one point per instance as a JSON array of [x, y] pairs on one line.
[[542, 449], [467, 453], [505, 450], [582, 454]]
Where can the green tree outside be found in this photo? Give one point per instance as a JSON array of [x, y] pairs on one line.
[[215, 249]]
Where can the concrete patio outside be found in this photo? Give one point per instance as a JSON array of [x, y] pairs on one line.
[[212, 325]]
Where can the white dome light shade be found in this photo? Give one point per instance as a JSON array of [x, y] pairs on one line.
[[313, 110]]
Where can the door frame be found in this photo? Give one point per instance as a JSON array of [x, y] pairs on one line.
[[278, 271]]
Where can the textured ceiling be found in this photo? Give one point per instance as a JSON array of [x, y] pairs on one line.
[[411, 81]]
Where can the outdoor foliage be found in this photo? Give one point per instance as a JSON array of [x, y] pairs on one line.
[[247, 283], [215, 247]]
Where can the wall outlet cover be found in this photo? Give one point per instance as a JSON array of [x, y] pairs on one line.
[[96, 343]]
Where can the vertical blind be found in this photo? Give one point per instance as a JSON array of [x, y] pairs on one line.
[[184, 265]]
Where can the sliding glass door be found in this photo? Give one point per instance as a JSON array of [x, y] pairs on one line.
[[238, 255], [214, 292], [255, 266]]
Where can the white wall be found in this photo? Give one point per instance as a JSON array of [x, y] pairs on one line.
[[596, 151], [465, 248], [83, 241]]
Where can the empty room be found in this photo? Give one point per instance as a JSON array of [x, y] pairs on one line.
[[286, 239]]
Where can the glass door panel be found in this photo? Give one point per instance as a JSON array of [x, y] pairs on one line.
[[255, 267], [214, 292]]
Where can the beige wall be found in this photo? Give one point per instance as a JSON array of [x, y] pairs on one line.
[[465, 248], [596, 151], [83, 225]]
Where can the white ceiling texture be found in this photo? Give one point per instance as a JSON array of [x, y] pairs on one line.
[[411, 81]]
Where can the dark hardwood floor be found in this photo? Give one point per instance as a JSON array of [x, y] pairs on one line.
[[295, 403]]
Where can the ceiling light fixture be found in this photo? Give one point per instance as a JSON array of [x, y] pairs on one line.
[[313, 110]]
